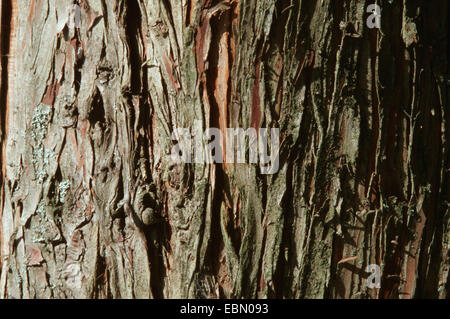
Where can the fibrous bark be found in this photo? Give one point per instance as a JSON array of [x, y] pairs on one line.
[[93, 206]]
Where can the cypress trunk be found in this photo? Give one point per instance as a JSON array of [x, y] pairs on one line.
[[93, 206]]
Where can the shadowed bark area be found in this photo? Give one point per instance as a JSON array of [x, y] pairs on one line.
[[92, 205]]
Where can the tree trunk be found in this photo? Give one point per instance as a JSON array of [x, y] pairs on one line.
[[93, 206]]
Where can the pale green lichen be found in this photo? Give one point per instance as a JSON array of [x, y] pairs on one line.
[[40, 230], [63, 188], [39, 123], [38, 131], [49, 157]]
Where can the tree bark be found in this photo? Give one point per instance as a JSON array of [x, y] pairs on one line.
[[92, 206]]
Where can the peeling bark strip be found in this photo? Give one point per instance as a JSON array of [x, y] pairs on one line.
[[93, 207], [7, 12]]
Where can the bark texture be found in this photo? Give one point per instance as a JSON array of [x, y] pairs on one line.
[[93, 207]]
